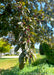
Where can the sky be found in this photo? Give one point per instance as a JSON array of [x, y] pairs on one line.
[[37, 45]]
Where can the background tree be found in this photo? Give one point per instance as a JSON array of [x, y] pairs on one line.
[[4, 46]]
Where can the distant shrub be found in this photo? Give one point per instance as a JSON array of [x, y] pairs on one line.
[[7, 54], [49, 52], [44, 47], [50, 56], [53, 47], [41, 49]]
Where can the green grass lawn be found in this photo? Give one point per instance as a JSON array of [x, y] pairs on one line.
[[38, 67], [7, 63]]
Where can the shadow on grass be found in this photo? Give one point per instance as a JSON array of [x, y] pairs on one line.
[[28, 70], [42, 61], [13, 71], [39, 61]]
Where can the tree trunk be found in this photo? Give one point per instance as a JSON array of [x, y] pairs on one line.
[[21, 60], [21, 65]]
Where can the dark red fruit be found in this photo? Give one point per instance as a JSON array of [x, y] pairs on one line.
[[28, 29], [27, 41]]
